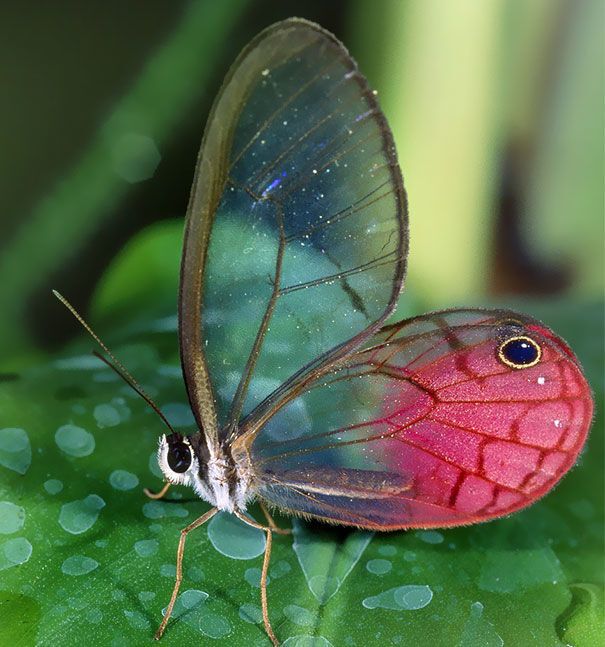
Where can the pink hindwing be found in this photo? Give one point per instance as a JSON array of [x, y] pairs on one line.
[[430, 424]]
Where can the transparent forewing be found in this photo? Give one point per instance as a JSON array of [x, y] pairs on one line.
[[306, 236], [426, 426]]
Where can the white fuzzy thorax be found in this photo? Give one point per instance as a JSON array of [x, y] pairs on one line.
[[215, 487]]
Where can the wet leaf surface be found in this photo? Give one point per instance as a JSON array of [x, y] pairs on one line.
[[84, 552]]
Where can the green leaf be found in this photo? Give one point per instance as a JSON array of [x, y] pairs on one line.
[[84, 552]]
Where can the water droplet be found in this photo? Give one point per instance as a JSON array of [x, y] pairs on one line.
[[299, 615], [94, 615], [118, 595], [279, 569], [12, 517], [307, 641], [53, 486], [136, 619], [15, 450], [253, 575], [195, 574], [106, 416], [146, 596], [409, 598], [14, 552], [78, 565], [379, 566], [192, 597], [429, 536], [159, 510], [213, 625], [413, 597], [188, 607], [168, 570], [234, 538], [123, 480], [75, 441], [77, 517], [76, 603], [251, 613], [146, 547], [478, 630], [325, 552], [323, 587], [387, 550]]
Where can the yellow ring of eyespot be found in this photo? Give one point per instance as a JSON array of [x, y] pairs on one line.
[[530, 341]]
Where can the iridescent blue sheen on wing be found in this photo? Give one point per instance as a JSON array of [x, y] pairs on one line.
[[308, 240]]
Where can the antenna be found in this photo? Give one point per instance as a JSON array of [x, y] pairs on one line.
[[114, 364]]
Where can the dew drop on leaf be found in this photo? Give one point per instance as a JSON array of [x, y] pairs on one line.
[[106, 416], [387, 550], [136, 619], [253, 575], [123, 480], [15, 449], [299, 615], [233, 538], [478, 630], [307, 641], [14, 552], [213, 625], [94, 615], [409, 598], [78, 565], [430, 536], [146, 547], [251, 613], [53, 486], [12, 517], [74, 441], [79, 516], [168, 570], [379, 566]]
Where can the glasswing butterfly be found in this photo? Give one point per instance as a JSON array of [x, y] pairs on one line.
[[297, 227]]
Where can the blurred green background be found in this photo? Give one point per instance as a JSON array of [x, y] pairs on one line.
[[497, 111]]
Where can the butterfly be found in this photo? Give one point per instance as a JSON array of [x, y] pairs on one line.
[[294, 256]]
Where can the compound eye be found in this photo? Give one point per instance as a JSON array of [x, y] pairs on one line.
[[520, 352], [179, 456]]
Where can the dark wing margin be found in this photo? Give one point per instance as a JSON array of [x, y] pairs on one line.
[[298, 182]]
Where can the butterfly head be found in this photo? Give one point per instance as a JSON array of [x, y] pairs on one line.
[[177, 459], [186, 460]]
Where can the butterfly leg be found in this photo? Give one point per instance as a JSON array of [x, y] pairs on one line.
[[271, 522], [263, 578], [157, 495], [263, 588], [179, 567]]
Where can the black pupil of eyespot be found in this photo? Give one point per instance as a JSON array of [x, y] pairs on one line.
[[520, 352], [179, 457]]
